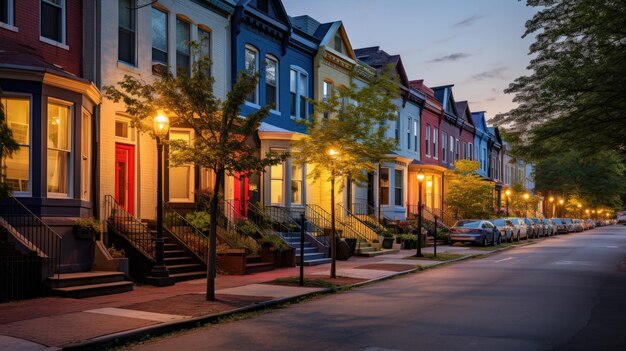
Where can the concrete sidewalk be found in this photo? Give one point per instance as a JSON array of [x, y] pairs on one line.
[[53, 323]]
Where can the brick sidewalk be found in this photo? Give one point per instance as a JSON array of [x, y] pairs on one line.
[[58, 322]]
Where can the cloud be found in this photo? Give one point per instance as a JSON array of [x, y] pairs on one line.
[[468, 21], [452, 57], [492, 73]]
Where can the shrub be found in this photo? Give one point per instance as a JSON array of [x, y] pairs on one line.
[[199, 219], [115, 253], [274, 241], [88, 223]]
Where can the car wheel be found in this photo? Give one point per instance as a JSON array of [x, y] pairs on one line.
[[518, 238], [485, 241], [500, 240]]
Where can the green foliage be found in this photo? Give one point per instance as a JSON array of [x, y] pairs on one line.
[[408, 237], [115, 253], [385, 233], [8, 146], [237, 241], [247, 228], [274, 241], [469, 195], [199, 219], [88, 223], [575, 95], [355, 130]]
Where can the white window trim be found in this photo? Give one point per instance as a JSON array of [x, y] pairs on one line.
[[133, 67], [388, 204], [70, 172], [428, 141], [7, 95], [89, 158], [10, 23], [444, 147], [63, 43], [276, 108], [300, 72], [301, 180], [192, 179], [396, 187], [435, 143], [257, 97], [132, 136]]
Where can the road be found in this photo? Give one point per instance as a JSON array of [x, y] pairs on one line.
[[564, 293]]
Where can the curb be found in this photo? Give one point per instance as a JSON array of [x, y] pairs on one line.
[[120, 338]]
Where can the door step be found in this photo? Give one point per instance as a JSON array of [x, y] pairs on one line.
[[88, 284]]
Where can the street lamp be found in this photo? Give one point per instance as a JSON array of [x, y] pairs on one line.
[[507, 194], [526, 196], [420, 179], [587, 212], [580, 210], [333, 154], [159, 275], [551, 199], [561, 201]]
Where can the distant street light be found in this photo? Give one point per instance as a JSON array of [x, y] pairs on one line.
[[580, 210], [507, 194], [526, 196], [420, 179], [551, 199], [561, 201]]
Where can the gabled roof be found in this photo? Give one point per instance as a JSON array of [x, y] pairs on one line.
[[306, 24], [378, 59], [479, 121], [272, 9], [444, 95]]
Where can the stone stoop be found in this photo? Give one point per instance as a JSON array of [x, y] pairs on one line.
[[365, 248], [88, 284], [179, 264], [312, 256], [255, 265]]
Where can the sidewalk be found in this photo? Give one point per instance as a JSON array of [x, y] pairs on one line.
[[53, 323]]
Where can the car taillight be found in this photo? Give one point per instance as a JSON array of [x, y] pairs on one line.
[[452, 230]]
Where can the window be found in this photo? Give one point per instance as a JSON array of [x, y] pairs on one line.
[[296, 184], [464, 150], [59, 148], [416, 135], [399, 181], [204, 36], [408, 133], [181, 178], [435, 143], [277, 176], [183, 52], [16, 170], [53, 20], [457, 150], [384, 186], [298, 83], [338, 42], [126, 31], [7, 8], [159, 36], [444, 150], [397, 130], [427, 140], [451, 160], [252, 66], [85, 156], [470, 150], [327, 89], [271, 81]]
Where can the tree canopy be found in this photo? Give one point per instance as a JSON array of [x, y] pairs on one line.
[[469, 195], [575, 96]]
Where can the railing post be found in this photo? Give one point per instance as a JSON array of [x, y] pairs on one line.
[[302, 219]]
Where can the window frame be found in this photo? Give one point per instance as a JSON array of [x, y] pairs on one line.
[[416, 135], [10, 23], [383, 201], [282, 179], [398, 127], [132, 31], [398, 188], [250, 48], [274, 59], [327, 93], [178, 40], [427, 141], [300, 180], [29, 98], [167, 36], [436, 143], [409, 126], [70, 156], [451, 138], [85, 155], [457, 151], [191, 166], [300, 74], [206, 34], [444, 147]]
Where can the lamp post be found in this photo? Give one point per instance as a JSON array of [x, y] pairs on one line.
[[580, 211], [159, 275], [551, 199], [420, 179], [587, 212], [526, 196], [334, 154], [429, 186], [561, 201], [507, 194]]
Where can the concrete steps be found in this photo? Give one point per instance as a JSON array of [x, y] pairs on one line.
[[312, 255], [179, 263], [88, 284]]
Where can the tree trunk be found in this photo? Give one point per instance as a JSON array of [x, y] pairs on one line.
[[212, 264]]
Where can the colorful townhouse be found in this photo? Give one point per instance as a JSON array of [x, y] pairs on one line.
[[481, 143], [467, 133], [51, 106], [451, 126], [495, 162], [396, 174]]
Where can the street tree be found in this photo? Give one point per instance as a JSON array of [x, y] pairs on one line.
[[346, 137], [575, 95], [220, 133], [469, 195], [8, 146]]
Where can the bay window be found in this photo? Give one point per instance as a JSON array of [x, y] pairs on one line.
[[59, 148]]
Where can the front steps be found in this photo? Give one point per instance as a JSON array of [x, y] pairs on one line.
[[312, 256], [179, 263], [364, 248], [88, 284]]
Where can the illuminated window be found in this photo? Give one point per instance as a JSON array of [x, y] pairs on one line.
[[296, 184], [59, 148], [277, 177], [181, 178], [384, 186], [17, 167]]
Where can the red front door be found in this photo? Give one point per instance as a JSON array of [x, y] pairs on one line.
[[124, 176], [240, 194]]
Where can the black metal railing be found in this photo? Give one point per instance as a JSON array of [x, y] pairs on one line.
[[353, 226], [190, 236], [319, 223], [283, 218], [136, 232], [372, 217], [33, 233], [235, 220]]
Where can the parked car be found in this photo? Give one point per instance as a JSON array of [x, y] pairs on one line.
[[569, 224], [550, 227], [505, 227], [541, 228], [533, 231], [561, 227], [475, 231], [520, 228], [577, 225], [590, 223]]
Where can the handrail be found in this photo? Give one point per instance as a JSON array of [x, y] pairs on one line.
[[137, 232], [193, 238], [319, 223], [356, 226], [360, 208], [233, 218], [33, 232]]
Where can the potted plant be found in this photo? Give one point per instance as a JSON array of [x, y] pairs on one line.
[[87, 228], [119, 259], [408, 241], [387, 239]]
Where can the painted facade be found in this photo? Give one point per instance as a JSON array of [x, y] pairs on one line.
[[467, 133], [481, 142]]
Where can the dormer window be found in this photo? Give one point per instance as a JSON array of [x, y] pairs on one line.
[[338, 42]]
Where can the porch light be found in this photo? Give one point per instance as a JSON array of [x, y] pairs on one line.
[[507, 192], [420, 177], [561, 202], [526, 196], [161, 125]]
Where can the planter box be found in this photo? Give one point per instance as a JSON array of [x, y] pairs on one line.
[[387, 243], [286, 258], [232, 261], [86, 233]]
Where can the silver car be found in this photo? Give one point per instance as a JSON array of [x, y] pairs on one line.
[[551, 227], [505, 227], [520, 229]]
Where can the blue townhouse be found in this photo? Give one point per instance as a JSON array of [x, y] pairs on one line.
[[481, 143]]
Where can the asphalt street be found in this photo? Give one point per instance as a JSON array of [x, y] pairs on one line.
[[563, 293]]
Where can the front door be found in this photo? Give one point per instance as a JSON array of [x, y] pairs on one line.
[[241, 194], [124, 176]]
